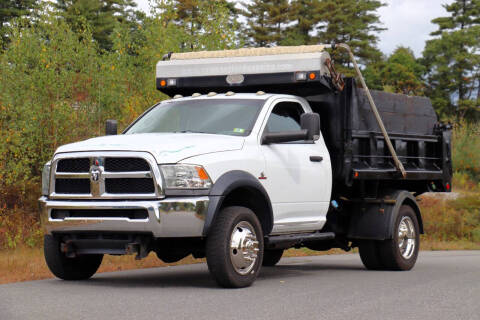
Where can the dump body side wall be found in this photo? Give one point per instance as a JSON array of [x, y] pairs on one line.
[[359, 151]]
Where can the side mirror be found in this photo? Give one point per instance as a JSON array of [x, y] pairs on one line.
[[111, 127], [311, 122]]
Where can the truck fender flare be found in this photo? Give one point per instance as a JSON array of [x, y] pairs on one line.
[[374, 221], [229, 182], [404, 198]]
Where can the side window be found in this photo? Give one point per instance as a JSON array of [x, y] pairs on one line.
[[285, 117]]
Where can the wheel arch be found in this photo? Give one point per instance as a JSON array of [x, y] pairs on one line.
[[239, 188], [375, 221], [412, 202]]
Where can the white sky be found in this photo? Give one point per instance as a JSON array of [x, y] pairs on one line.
[[407, 21]]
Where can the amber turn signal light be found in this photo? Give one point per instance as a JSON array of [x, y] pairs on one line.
[[202, 174]]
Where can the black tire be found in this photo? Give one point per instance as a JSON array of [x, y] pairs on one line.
[[386, 255], [272, 257], [389, 250], [219, 257], [78, 268], [369, 254]]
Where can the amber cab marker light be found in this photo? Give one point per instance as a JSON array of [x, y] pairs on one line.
[[312, 75], [202, 174]]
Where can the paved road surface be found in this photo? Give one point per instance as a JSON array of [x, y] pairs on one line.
[[443, 285]]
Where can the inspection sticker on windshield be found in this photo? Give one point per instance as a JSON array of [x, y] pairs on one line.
[[238, 130]]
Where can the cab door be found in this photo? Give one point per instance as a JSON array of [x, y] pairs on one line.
[[298, 174]]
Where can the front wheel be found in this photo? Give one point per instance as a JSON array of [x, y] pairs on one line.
[[78, 268], [235, 247]]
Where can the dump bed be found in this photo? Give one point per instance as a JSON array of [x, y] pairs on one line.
[[357, 147]]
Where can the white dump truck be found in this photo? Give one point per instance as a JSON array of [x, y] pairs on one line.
[[259, 150]]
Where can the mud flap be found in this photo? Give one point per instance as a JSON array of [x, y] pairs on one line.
[[374, 219]]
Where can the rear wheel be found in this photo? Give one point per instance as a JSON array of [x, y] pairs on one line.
[[399, 253], [235, 247], [78, 268], [369, 254], [272, 257]]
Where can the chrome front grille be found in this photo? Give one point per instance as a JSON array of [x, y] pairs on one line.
[[105, 175]]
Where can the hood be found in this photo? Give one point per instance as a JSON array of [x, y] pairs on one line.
[[165, 147]]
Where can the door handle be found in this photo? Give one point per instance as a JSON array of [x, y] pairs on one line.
[[316, 158]]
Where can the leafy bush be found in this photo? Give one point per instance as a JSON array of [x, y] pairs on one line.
[[457, 219], [58, 87], [466, 151]]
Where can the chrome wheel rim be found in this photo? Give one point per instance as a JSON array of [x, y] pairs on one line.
[[243, 247], [406, 237]]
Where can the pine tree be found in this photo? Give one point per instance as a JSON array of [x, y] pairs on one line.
[[353, 22], [256, 30], [188, 16], [199, 24], [453, 61], [199, 19], [266, 21], [305, 16], [101, 16], [10, 9]]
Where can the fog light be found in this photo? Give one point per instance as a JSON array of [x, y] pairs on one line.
[[172, 82]]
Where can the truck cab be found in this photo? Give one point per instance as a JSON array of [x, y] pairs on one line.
[[236, 176]]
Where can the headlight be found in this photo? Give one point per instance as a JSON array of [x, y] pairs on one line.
[[46, 179], [185, 176]]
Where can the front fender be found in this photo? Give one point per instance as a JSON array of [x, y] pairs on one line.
[[229, 182]]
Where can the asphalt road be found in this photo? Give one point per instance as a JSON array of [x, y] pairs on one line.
[[443, 285]]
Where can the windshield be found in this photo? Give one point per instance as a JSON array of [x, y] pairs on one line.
[[234, 117]]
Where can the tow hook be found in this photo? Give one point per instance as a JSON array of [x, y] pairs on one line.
[[138, 248]]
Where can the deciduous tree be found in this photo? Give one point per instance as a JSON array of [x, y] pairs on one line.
[[400, 73]]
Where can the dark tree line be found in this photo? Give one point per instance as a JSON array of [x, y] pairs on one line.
[[448, 72]]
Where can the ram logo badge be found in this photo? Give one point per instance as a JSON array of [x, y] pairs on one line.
[[95, 174]]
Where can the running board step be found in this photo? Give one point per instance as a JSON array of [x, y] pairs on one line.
[[291, 240]]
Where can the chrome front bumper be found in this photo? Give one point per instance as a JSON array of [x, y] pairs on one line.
[[172, 217]]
